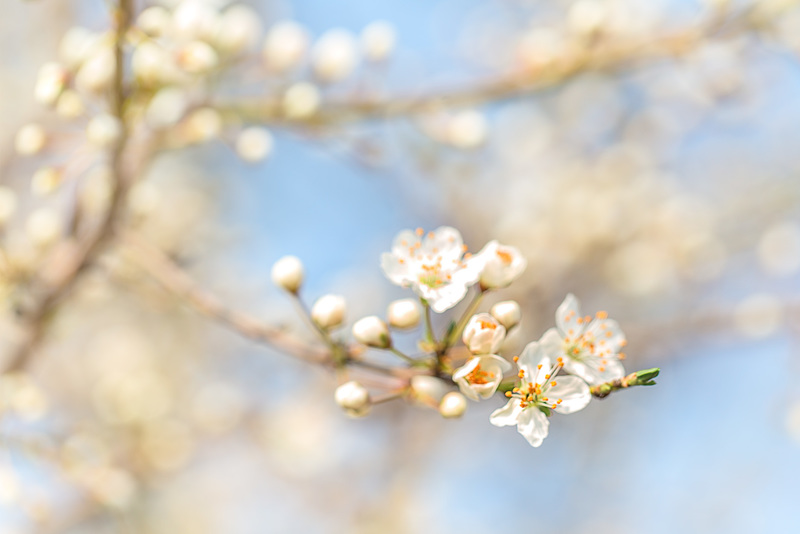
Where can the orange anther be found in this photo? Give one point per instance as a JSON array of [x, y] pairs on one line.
[[516, 359], [508, 394], [601, 315], [419, 231], [553, 383]]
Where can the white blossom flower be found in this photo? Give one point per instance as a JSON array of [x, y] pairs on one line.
[[103, 130], [328, 311], [197, 57], [239, 29], [483, 334], [590, 347], [403, 313], [507, 313], [538, 393], [453, 405], [480, 376], [372, 331], [433, 265], [501, 265], [287, 273]]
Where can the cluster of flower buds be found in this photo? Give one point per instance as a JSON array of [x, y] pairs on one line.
[[555, 373]]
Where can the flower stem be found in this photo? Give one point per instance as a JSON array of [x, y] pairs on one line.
[[428, 323], [406, 357], [462, 322], [338, 352], [639, 378]]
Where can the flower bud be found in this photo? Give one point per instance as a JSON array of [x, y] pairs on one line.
[[154, 21], [377, 40], [372, 331], [284, 46], [334, 55], [166, 108], [352, 396], [97, 72], [287, 273], [30, 140], [427, 390], [70, 105], [103, 131], [43, 226], [254, 144], [197, 57], [194, 19], [453, 405], [202, 125], [466, 129], [507, 313], [301, 101], [328, 311], [403, 313], [49, 84], [502, 265], [483, 334], [239, 29], [45, 181]]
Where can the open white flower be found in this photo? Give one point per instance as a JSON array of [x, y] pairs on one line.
[[539, 393], [480, 376], [483, 334], [590, 346], [501, 265], [433, 265]]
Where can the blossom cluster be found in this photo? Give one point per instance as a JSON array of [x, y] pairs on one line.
[[555, 374]]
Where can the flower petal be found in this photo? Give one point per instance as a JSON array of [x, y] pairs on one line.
[[404, 242], [608, 334], [397, 272], [567, 316], [507, 415], [446, 242], [530, 359], [573, 392], [443, 298], [533, 425], [552, 344]]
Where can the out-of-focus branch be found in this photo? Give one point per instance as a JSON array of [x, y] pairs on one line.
[[605, 55], [78, 257], [177, 281]]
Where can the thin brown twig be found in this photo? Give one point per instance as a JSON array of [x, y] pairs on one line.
[[35, 318]]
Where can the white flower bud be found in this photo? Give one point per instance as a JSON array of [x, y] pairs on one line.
[[427, 390], [197, 57], [507, 313], [483, 334], [166, 108], [49, 83], [352, 396], [453, 405], [377, 40], [203, 124], [151, 65], [254, 144], [328, 311], [194, 19], [301, 101], [43, 226], [103, 131], [239, 29], [285, 46], [334, 55], [403, 313], [154, 21], [502, 265], [30, 139], [45, 181], [361, 412], [8, 204], [467, 129], [373, 332], [70, 105], [287, 273], [76, 45], [97, 72]]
